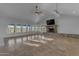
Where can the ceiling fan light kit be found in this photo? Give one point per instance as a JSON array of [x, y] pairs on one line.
[[37, 10]]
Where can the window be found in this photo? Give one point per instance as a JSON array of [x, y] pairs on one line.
[[18, 28], [11, 28], [24, 28], [33, 28], [36, 28], [43, 28], [29, 28], [39, 28]]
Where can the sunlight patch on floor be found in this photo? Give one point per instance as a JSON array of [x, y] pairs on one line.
[[45, 38], [11, 43], [31, 44], [41, 41]]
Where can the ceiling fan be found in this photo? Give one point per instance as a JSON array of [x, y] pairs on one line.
[[42, 12], [37, 10]]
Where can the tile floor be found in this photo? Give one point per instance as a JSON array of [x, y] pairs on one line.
[[48, 45]]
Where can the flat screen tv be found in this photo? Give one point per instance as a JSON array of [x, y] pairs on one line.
[[51, 22]]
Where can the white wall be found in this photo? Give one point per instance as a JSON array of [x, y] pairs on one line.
[[68, 24]]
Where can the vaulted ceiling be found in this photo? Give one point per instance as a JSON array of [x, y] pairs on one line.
[[24, 11]]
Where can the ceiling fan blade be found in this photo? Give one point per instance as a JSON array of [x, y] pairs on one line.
[[55, 13]]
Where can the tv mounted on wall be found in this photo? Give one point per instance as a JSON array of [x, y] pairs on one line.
[[51, 22]]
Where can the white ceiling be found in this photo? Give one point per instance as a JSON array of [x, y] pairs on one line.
[[69, 8], [24, 11], [63, 8]]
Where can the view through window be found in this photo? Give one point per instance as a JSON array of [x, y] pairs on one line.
[[25, 28]]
